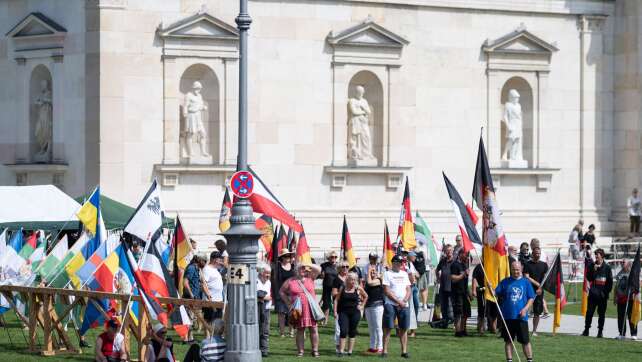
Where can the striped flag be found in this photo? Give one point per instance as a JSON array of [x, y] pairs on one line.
[[388, 250], [554, 284], [633, 288], [422, 230], [226, 212], [279, 243], [54, 258], [346, 245], [303, 250], [467, 228], [149, 270], [264, 225], [264, 202], [406, 230], [493, 237], [586, 285], [182, 250]]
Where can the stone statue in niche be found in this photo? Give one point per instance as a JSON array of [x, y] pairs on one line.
[[44, 124], [512, 155], [194, 128], [359, 136]]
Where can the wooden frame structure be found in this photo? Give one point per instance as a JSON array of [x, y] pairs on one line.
[[43, 315]]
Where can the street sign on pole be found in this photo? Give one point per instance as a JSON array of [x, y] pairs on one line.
[[242, 184]]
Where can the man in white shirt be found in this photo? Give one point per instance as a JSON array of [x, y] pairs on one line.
[[396, 289], [214, 282], [633, 204], [264, 298]]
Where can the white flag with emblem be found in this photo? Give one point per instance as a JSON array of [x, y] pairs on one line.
[[148, 217]]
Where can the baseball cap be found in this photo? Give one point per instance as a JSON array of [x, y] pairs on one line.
[[412, 253], [396, 259], [158, 327], [373, 254]]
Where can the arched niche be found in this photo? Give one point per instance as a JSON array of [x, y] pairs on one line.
[[374, 95], [210, 117], [526, 101], [40, 114]]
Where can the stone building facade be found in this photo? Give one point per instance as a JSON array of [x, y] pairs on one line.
[[436, 73]]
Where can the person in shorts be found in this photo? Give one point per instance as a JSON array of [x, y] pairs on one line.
[[460, 298], [535, 271], [396, 289], [516, 296]]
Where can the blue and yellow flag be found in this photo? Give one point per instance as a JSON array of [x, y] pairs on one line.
[[88, 213]]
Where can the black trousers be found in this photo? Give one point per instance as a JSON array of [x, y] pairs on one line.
[[193, 353], [621, 324], [635, 224], [445, 303], [264, 327], [600, 304], [348, 322]]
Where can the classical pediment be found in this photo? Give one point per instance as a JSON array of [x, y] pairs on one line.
[[369, 34], [200, 26], [36, 25], [519, 41]]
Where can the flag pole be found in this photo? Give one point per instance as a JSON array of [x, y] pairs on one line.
[[492, 292]]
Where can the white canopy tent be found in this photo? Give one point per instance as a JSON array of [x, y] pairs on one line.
[[37, 207]]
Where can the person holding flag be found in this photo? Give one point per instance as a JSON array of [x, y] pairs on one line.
[[554, 284], [535, 271], [621, 298], [601, 278]]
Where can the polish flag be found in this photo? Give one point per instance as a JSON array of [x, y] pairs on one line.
[[264, 202]]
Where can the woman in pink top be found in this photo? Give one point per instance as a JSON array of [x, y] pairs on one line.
[[293, 288]]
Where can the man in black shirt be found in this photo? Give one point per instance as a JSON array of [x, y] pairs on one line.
[[478, 290], [599, 274], [535, 271], [459, 285], [443, 276], [328, 274], [524, 255]]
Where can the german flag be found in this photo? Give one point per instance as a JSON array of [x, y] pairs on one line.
[[554, 284], [226, 212], [264, 225], [346, 245], [303, 250], [406, 231], [182, 250], [388, 250], [586, 285]]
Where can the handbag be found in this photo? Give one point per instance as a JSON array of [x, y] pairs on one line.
[[315, 309], [295, 312]]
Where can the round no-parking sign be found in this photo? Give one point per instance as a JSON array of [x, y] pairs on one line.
[[242, 184]]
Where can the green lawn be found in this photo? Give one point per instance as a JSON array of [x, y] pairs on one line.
[[430, 344]]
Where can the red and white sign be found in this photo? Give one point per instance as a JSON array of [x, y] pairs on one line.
[[242, 184]]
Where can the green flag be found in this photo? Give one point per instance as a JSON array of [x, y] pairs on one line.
[[422, 228], [51, 261]]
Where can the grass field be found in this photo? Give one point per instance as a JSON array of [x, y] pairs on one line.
[[430, 344]]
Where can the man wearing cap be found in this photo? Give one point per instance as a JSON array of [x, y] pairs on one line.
[[328, 274], [161, 345], [396, 288], [110, 346]]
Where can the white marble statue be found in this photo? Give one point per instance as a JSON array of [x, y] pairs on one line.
[[193, 112], [513, 121], [359, 136], [43, 133]]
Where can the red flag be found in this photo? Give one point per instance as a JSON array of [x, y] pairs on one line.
[[33, 240], [346, 245], [149, 289], [406, 230], [264, 202]]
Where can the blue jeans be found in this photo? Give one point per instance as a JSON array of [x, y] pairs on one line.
[[390, 312], [415, 300]]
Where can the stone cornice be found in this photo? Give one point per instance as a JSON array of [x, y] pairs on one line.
[[568, 7]]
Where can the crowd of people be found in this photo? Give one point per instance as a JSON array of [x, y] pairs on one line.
[[388, 297]]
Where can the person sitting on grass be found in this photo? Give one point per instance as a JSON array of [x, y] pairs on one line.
[[160, 347], [212, 349], [110, 346], [516, 296]]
